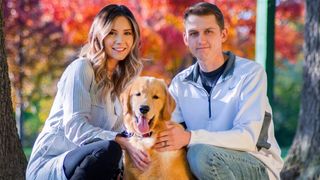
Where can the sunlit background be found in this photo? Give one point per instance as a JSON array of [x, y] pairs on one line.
[[44, 36]]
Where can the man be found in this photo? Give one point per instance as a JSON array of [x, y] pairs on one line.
[[222, 101]]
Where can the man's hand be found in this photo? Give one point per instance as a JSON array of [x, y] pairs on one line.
[[173, 138]]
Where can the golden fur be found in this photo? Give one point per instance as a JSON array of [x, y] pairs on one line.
[[151, 92]]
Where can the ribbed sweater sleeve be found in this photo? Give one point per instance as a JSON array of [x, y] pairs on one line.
[[77, 105]]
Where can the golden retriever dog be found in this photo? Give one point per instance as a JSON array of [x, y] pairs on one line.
[[147, 105]]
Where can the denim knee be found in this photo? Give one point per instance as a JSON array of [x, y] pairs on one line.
[[109, 151], [211, 162], [197, 159], [116, 150], [206, 162]]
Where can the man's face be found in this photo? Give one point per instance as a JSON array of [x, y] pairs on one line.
[[204, 37]]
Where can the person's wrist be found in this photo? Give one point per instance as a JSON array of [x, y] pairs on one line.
[[121, 140], [187, 137]]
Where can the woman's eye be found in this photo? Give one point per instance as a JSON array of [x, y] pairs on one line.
[[155, 97], [111, 33], [138, 94], [128, 33]]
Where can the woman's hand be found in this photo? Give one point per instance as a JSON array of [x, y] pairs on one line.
[[140, 159]]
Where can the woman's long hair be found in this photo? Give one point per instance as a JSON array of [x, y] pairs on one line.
[[126, 69]]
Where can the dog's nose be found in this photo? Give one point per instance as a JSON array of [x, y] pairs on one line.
[[144, 109]]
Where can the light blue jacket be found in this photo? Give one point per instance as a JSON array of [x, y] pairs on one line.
[[235, 115], [77, 116]]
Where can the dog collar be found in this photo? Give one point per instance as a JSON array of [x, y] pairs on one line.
[[147, 134], [127, 134]]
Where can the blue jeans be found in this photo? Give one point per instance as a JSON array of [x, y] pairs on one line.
[[211, 162]]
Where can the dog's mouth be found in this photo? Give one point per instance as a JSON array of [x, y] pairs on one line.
[[143, 125]]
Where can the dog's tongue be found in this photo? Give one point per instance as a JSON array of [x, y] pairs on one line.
[[143, 125]]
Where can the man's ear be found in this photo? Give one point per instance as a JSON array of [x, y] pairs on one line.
[[125, 100], [224, 35], [185, 38]]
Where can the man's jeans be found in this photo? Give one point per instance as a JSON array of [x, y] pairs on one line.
[[210, 162]]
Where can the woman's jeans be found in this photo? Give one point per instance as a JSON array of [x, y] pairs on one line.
[[211, 162], [95, 161]]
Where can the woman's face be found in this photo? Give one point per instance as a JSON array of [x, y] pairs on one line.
[[119, 41]]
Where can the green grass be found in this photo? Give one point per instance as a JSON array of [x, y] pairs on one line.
[[284, 152], [27, 151]]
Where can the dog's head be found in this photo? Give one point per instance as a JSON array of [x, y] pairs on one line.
[[146, 102]]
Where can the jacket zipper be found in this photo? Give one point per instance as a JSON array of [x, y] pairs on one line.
[[209, 101], [209, 96]]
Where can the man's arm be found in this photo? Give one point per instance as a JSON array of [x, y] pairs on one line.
[[248, 120], [246, 125]]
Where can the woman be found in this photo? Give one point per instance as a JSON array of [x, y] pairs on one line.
[[81, 139]]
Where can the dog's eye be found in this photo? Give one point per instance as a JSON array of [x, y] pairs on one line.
[[138, 94], [155, 97]]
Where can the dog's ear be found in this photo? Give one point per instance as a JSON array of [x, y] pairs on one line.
[[169, 105], [125, 100]]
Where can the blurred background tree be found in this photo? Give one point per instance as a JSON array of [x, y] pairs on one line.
[[34, 48], [44, 36], [303, 160]]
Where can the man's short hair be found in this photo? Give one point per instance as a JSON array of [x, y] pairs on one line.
[[205, 8]]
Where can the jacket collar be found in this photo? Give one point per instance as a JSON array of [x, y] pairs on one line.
[[228, 71]]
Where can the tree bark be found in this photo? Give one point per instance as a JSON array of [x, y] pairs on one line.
[[12, 159], [303, 161]]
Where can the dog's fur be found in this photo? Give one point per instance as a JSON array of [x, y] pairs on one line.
[[151, 92]]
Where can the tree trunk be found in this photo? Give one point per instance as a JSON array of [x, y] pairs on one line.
[[12, 159], [303, 161]]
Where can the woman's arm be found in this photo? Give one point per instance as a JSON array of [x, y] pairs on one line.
[[77, 104]]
